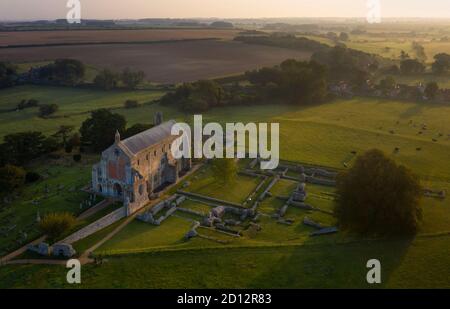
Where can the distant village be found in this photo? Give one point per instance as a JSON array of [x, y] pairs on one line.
[[417, 92]]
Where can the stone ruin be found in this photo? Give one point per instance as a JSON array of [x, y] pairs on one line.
[[297, 198], [435, 193], [57, 250], [43, 249], [170, 206], [300, 194], [320, 229], [216, 218], [193, 231]]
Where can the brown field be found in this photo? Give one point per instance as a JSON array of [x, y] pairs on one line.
[[165, 62], [94, 36]]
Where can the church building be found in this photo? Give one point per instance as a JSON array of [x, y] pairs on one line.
[[133, 170]]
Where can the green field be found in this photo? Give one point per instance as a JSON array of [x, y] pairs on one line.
[[74, 106], [406, 264], [279, 255], [236, 192]]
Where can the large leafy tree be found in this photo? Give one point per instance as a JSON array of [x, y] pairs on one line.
[[68, 71], [132, 79], [412, 66], [107, 79], [8, 73], [99, 130], [378, 197], [20, 148], [432, 90], [441, 63]]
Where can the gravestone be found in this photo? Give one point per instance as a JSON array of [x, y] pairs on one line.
[[63, 250]]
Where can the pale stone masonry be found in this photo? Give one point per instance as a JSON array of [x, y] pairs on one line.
[[134, 169]]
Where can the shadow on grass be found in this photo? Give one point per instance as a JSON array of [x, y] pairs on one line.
[[332, 265]]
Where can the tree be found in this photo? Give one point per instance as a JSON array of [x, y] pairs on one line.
[[55, 225], [27, 104], [136, 129], [196, 97], [263, 76], [99, 130], [67, 71], [432, 90], [302, 82], [344, 37], [107, 79], [47, 110], [387, 84], [378, 197], [404, 55], [412, 66], [8, 74], [75, 140], [420, 51], [221, 24], [63, 132], [11, 178], [441, 63], [132, 79], [20, 148], [224, 170]]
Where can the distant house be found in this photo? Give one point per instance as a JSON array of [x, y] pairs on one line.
[[134, 169]]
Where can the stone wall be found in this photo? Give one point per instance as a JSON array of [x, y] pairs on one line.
[[96, 226]]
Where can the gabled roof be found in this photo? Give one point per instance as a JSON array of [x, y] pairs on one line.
[[148, 138]]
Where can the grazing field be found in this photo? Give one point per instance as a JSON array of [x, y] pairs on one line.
[[406, 264], [170, 62], [74, 106], [99, 36], [414, 134]]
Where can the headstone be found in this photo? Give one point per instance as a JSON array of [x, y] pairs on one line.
[[63, 250]]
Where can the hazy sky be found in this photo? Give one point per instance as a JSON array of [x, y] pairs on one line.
[[114, 9]]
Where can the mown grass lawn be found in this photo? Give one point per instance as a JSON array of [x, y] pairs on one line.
[[141, 236], [236, 191]]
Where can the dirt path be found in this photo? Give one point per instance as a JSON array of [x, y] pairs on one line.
[[14, 254]]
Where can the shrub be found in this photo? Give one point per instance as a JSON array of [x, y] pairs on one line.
[[378, 197], [47, 109], [56, 224], [31, 177], [27, 104], [11, 178]]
